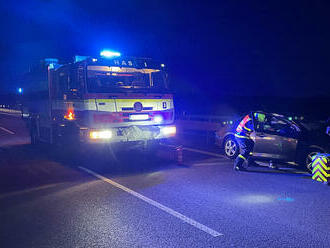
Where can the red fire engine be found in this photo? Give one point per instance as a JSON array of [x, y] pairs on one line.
[[106, 99]]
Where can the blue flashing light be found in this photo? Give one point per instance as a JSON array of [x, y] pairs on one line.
[[79, 58], [20, 90], [109, 54], [51, 61]]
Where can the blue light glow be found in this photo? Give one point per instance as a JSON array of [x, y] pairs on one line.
[[109, 54], [20, 90], [254, 199], [287, 199], [158, 119]]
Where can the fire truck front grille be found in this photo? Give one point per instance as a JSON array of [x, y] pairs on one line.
[[130, 109], [128, 120]]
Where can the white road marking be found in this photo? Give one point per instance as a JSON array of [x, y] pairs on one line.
[[29, 190], [206, 164], [16, 115], [6, 130], [204, 152], [198, 151], [156, 204]]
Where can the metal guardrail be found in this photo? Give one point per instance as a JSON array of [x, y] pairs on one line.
[[203, 126], [206, 122], [11, 111], [208, 118]]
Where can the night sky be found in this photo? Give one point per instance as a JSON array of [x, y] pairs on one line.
[[214, 48]]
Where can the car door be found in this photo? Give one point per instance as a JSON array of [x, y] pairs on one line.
[[275, 138]]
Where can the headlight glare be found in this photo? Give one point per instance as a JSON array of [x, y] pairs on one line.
[[103, 134], [169, 130]]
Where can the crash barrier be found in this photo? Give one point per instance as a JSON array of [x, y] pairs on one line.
[[203, 126], [10, 111], [206, 122], [321, 168]]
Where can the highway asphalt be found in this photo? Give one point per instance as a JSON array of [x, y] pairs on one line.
[[141, 199]]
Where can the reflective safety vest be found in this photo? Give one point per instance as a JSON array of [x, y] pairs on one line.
[[244, 128]]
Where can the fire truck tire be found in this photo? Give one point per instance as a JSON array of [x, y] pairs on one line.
[[34, 134], [66, 144]]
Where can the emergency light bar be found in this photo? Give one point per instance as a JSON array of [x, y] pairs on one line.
[[79, 58], [109, 54]]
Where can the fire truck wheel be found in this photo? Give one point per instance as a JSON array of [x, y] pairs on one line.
[[66, 144], [34, 134]]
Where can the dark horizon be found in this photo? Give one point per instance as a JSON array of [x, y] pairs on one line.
[[266, 49]]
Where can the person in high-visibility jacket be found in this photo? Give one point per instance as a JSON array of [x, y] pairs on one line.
[[244, 140]]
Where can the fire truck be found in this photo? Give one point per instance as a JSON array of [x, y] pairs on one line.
[[108, 99]]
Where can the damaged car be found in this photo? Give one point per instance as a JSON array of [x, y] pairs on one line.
[[278, 140]]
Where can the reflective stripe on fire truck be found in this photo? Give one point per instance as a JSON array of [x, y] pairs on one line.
[[112, 105]]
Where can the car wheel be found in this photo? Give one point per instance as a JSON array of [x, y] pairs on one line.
[[309, 158], [231, 148]]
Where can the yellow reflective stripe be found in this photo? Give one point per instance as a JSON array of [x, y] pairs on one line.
[[248, 129], [319, 174], [321, 170], [241, 156], [321, 161], [240, 136]]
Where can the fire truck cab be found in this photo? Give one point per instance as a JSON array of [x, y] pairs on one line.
[[103, 100]]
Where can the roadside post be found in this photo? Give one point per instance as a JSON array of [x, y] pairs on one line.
[[179, 151], [321, 168]]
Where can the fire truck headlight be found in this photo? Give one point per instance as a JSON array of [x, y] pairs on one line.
[[158, 119], [104, 134], [169, 131]]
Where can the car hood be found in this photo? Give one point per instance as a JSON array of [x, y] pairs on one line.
[[317, 138]]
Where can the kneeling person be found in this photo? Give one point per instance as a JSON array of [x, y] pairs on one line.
[[244, 140]]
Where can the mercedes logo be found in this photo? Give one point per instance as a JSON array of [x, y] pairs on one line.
[[138, 107]]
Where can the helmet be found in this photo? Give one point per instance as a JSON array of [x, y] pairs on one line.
[[260, 117]]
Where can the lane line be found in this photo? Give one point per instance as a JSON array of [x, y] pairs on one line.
[[29, 190], [6, 130], [11, 114], [156, 204], [204, 152], [198, 151]]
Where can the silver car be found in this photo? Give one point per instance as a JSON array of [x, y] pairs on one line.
[[277, 139]]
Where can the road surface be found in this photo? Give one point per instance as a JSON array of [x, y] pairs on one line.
[[137, 199]]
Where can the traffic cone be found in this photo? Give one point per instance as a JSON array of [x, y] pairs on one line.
[[179, 151]]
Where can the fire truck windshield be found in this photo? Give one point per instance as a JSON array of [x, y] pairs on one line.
[[103, 79]]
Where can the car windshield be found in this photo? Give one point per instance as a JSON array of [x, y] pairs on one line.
[[108, 78], [314, 126]]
